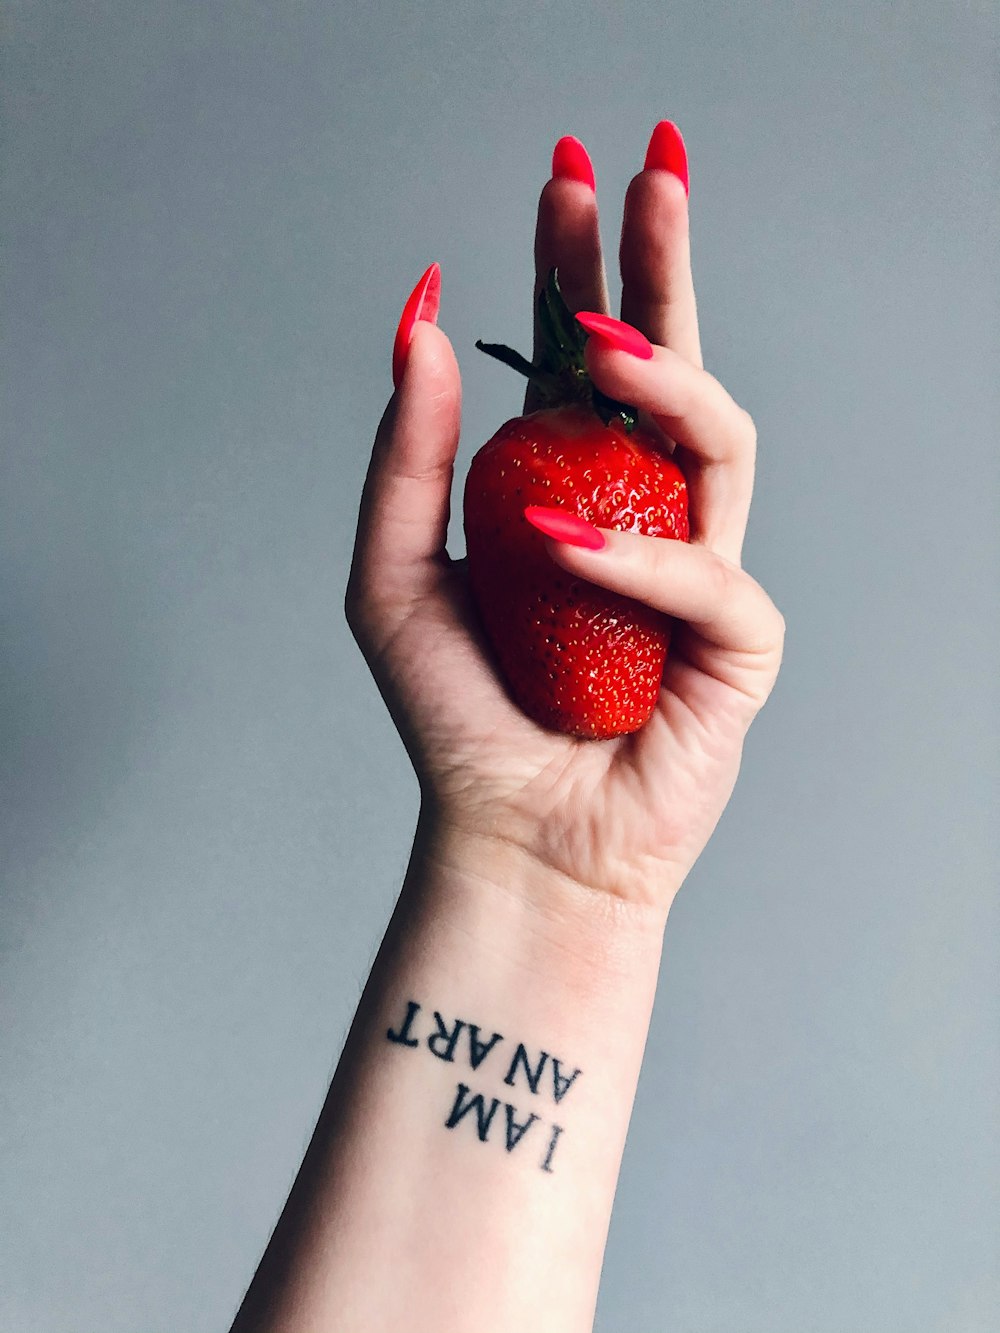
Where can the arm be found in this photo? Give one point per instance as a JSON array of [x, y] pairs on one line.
[[462, 1173], [463, 1169]]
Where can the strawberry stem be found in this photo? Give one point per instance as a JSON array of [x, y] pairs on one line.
[[560, 374], [510, 358]]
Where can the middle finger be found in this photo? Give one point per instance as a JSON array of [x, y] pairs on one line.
[[655, 252]]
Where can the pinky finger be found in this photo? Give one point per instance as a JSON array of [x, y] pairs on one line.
[[730, 611]]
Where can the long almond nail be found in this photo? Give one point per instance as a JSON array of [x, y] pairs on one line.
[[666, 152], [613, 333], [422, 303], [565, 527], [571, 161]]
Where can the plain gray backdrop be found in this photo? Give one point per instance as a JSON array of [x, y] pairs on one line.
[[213, 213]]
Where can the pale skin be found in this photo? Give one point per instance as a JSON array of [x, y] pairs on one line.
[[543, 866]]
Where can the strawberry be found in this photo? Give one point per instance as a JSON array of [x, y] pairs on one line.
[[575, 658]]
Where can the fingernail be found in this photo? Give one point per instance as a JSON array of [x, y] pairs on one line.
[[565, 527], [666, 152], [613, 333], [422, 303], [571, 162]]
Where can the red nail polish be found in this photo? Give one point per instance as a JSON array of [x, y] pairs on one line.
[[565, 527], [422, 303], [666, 152], [571, 162], [613, 333]]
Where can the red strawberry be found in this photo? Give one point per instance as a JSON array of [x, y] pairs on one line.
[[576, 659]]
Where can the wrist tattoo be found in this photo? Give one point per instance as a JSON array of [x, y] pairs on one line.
[[543, 1075]]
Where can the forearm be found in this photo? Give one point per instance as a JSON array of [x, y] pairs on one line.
[[463, 1169]]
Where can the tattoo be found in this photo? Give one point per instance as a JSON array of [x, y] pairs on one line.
[[444, 1042], [521, 1057], [403, 1036], [561, 1083], [479, 1050], [515, 1131], [556, 1131], [443, 1035], [484, 1118]]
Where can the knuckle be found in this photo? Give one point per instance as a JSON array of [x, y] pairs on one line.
[[656, 557], [748, 429], [724, 579], [780, 628], [771, 639], [691, 388]]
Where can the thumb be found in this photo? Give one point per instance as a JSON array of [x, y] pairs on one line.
[[405, 505]]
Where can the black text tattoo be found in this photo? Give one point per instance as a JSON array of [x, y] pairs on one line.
[[541, 1073]]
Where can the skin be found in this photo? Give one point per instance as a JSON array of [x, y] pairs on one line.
[[543, 867]]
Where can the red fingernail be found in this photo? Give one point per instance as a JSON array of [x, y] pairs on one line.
[[571, 162], [666, 152], [613, 333], [565, 527], [422, 303]]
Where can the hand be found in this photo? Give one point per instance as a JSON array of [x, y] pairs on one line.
[[627, 816]]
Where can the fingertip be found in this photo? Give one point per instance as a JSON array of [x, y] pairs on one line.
[[565, 526], [571, 161], [430, 390], [620, 372], [564, 202], [667, 153], [431, 357], [422, 306], [615, 334], [657, 199]]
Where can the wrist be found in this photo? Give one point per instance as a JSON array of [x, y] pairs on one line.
[[506, 897], [602, 854]]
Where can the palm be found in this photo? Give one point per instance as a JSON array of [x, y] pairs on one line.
[[604, 805]]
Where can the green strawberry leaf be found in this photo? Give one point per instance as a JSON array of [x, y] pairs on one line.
[[560, 375]]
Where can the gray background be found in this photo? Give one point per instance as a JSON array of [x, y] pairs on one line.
[[213, 215]]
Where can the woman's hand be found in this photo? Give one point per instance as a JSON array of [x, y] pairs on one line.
[[627, 816]]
